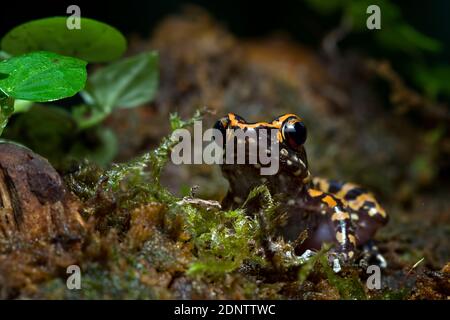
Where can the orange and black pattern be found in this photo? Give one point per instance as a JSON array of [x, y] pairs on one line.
[[358, 199]]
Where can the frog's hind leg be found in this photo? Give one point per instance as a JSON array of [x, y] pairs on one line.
[[332, 224], [366, 213]]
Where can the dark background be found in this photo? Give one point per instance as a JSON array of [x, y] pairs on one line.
[[246, 19]]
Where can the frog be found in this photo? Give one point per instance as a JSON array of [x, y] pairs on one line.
[[330, 211]]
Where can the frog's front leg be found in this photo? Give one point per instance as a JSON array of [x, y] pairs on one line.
[[328, 221]]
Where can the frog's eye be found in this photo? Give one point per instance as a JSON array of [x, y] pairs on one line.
[[294, 133]]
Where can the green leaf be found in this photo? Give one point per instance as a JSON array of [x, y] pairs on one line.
[[94, 42], [126, 83], [42, 76], [6, 110], [87, 116], [405, 39]]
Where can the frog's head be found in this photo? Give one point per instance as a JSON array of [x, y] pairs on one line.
[[292, 166]]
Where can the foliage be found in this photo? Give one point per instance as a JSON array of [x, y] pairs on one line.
[[42, 76], [94, 42], [354, 13], [6, 110], [397, 38], [126, 83]]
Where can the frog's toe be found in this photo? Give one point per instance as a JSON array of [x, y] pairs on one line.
[[371, 255], [337, 260], [336, 265], [307, 255]]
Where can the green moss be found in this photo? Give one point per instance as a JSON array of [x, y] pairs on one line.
[[268, 217], [143, 173], [400, 294], [100, 283], [349, 286], [223, 240], [163, 254], [306, 269]]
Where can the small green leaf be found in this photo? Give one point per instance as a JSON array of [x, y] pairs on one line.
[[42, 76], [6, 110], [87, 116], [126, 83], [94, 42]]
